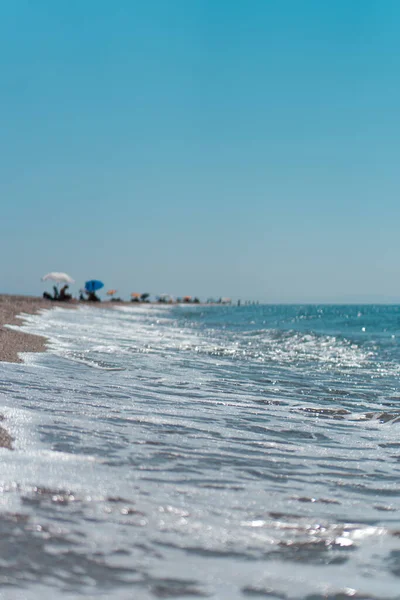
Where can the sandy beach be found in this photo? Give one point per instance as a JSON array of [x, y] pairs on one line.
[[13, 342]]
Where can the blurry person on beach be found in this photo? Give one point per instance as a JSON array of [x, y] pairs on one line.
[[63, 294], [91, 296], [48, 296]]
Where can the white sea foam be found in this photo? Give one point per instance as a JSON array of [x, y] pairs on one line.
[[190, 461]]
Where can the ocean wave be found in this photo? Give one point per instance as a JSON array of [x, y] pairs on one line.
[[262, 458]]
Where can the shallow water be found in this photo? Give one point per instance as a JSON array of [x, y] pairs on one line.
[[223, 452]]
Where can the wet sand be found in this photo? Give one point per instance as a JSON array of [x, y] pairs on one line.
[[11, 313]]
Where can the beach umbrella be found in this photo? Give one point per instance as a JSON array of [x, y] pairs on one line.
[[58, 277], [93, 285], [135, 295], [111, 292]]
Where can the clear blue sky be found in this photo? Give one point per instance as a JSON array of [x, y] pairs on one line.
[[244, 148]]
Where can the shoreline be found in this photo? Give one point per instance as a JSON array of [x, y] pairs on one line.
[[12, 308], [13, 342]]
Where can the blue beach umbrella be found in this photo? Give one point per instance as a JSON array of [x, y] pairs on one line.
[[93, 285]]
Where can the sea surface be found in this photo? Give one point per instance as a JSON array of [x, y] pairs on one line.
[[204, 452]]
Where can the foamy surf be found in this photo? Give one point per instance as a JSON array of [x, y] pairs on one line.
[[220, 452]]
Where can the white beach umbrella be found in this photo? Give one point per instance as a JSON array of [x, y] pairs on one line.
[[58, 277]]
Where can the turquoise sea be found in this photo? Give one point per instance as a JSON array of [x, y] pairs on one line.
[[220, 452]]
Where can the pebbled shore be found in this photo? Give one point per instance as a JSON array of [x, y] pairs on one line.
[[12, 309], [11, 312]]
